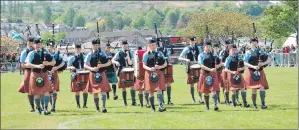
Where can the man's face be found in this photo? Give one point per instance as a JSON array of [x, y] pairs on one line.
[[78, 50], [254, 44], [107, 49], [125, 46], [95, 46], [192, 43], [207, 48], [233, 51], [152, 46], [161, 43], [37, 46], [51, 48], [30, 44]]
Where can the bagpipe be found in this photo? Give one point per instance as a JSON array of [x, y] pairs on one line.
[[262, 57]]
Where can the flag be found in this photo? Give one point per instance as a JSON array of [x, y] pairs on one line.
[[16, 36]]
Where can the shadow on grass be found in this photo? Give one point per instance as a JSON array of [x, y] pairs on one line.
[[280, 107]]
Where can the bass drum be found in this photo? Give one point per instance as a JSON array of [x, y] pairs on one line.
[[138, 65]]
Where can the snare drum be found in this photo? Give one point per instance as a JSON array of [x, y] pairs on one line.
[[168, 71], [127, 75], [138, 64], [195, 71], [82, 77]]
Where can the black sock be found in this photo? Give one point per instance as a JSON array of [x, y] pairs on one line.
[[96, 102], [192, 92], [152, 101], [168, 90], [253, 97], [262, 96], [85, 96], [160, 100], [114, 89], [31, 101], [46, 101], [218, 95], [146, 97], [42, 102], [133, 94], [244, 97], [107, 95], [234, 99], [104, 101], [237, 95], [207, 101], [140, 95], [124, 94], [54, 98], [214, 96], [77, 100], [227, 96], [37, 103]]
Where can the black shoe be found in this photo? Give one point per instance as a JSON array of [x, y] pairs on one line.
[[161, 109], [255, 106], [207, 108], [227, 102], [148, 106], [39, 112], [264, 107], [246, 105], [216, 108], [134, 104], [115, 97], [201, 102], [238, 103], [32, 110], [141, 105], [85, 107], [169, 103], [53, 110], [154, 109], [104, 110], [46, 112], [78, 106]]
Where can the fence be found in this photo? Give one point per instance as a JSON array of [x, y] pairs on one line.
[[284, 59]]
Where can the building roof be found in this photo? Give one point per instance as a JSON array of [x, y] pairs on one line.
[[78, 34]]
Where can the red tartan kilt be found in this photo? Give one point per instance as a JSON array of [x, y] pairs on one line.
[[202, 87], [24, 86], [220, 80], [234, 86], [126, 76], [75, 87], [152, 87], [55, 86], [33, 89], [169, 79], [224, 79], [94, 87], [250, 83], [139, 84]]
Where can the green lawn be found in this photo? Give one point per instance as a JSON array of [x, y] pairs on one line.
[[282, 112]]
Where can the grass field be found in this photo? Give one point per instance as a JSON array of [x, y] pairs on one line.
[[281, 99]]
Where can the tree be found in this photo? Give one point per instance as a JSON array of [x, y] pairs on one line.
[[47, 13], [57, 36], [8, 44], [126, 20], [151, 18], [70, 17], [37, 15], [118, 22], [54, 17], [108, 23], [31, 9], [252, 9], [217, 21], [172, 18], [281, 21], [139, 22], [79, 21]]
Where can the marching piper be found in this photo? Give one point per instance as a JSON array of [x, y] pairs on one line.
[[97, 61], [190, 56], [123, 59], [39, 83], [255, 78], [24, 86], [76, 64]]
